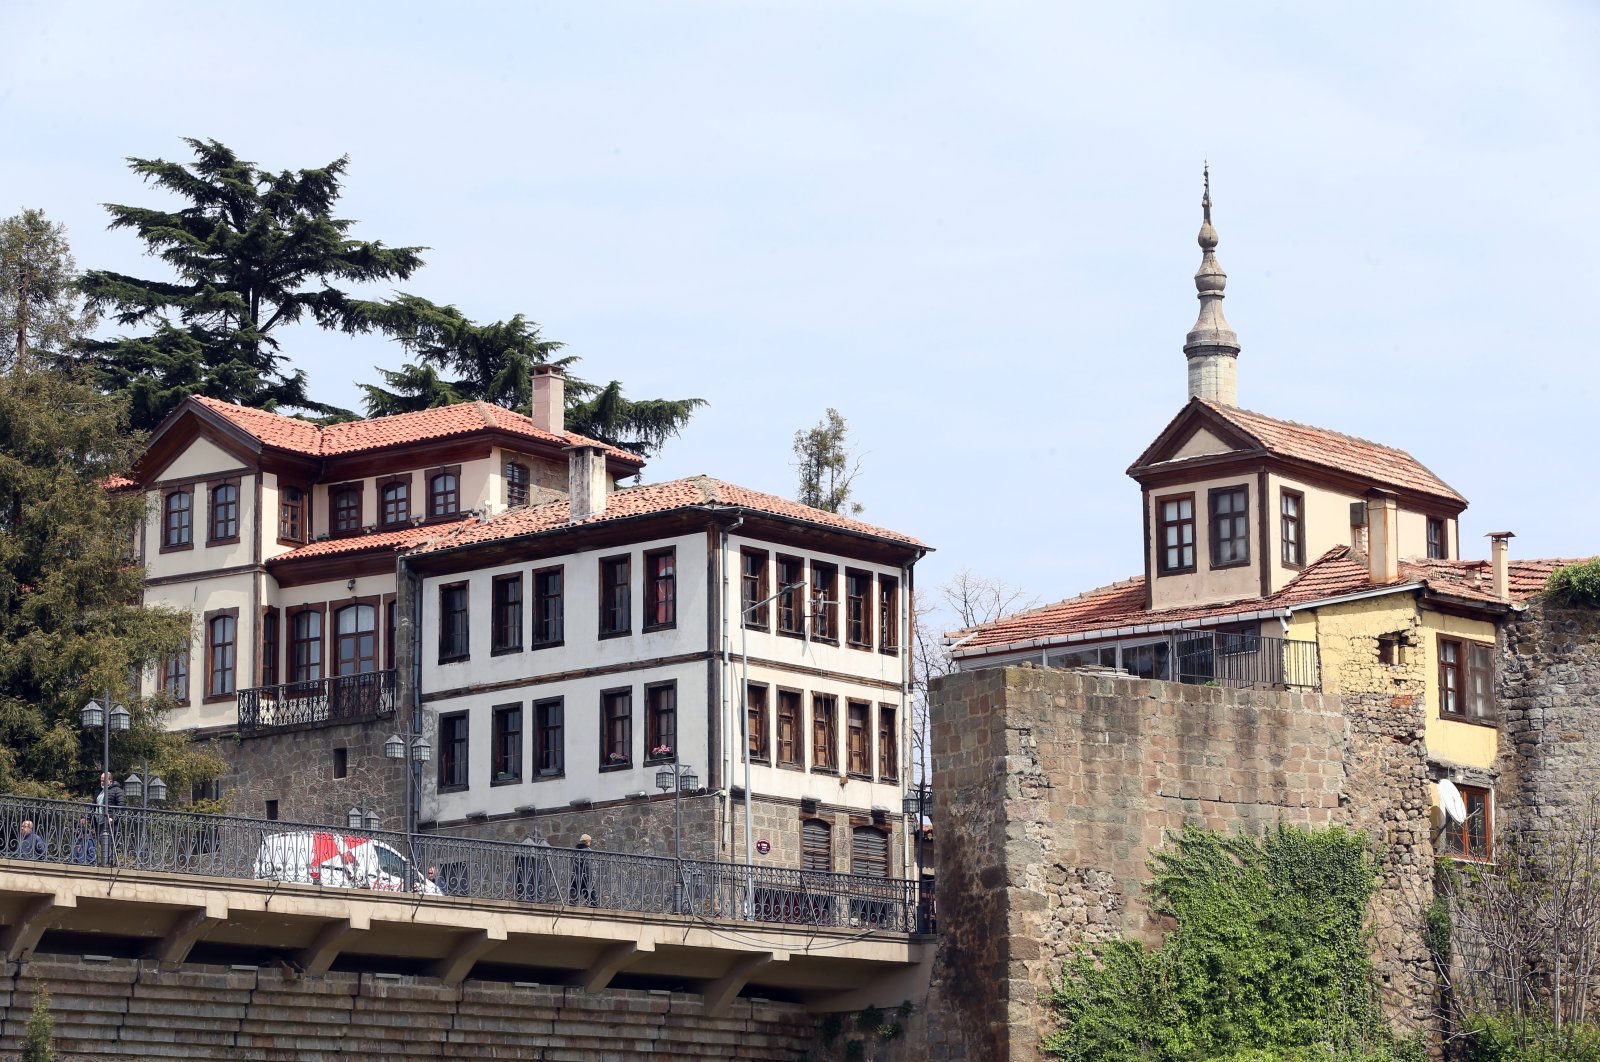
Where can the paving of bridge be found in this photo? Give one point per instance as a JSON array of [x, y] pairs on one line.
[[165, 917]]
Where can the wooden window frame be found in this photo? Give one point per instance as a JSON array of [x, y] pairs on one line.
[[824, 722], [858, 609], [791, 602], [1162, 524], [391, 627], [504, 770], [540, 718], [404, 501], [797, 698], [756, 721], [271, 664], [858, 739], [609, 699], [170, 544], [447, 754], [505, 621], [173, 679], [1458, 842], [213, 507], [616, 614], [654, 737], [754, 586], [657, 584], [336, 511], [450, 653], [293, 514], [1440, 549], [232, 670], [823, 602], [292, 616], [1292, 558], [539, 579], [888, 615], [518, 484], [1238, 517], [888, 742], [1472, 660], [435, 497]]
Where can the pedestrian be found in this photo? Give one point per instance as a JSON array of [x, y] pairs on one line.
[[29, 844], [437, 882], [108, 805], [583, 890], [83, 847]]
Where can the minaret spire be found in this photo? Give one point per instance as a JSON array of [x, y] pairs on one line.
[[1211, 347]]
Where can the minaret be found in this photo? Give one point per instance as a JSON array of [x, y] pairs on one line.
[[1211, 346]]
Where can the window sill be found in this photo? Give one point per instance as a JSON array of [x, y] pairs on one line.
[[761, 627], [462, 788], [218, 698], [440, 518], [232, 541], [861, 776], [759, 761], [1162, 572], [865, 647], [1451, 717], [1231, 564], [825, 640], [460, 658], [651, 627], [536, 646], [616, 634], [609, 768], [800, 635], [293, 543], [179, 548], [549, 776], [657, 761], [790, 767], [505, 781], [398, 525], [890, 650], [1293, 566], [826, 768], [508, 650]]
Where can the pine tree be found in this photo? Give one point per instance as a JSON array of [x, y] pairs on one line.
[[458, 360], [252, 251], [70, 620], [827, 465], [41, 313], [38, 1044]]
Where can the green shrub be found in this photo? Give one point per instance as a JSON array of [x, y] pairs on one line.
[[39, 1043], [1576, 584], [1491, 1039]]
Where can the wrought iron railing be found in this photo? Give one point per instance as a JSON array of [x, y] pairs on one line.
[[1247, 660], [347, 698], [226, 846]]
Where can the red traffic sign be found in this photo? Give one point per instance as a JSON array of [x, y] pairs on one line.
[[763, 846]]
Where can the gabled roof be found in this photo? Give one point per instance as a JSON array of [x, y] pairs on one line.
[[694, 492], [377, 433], [1256, 433], [1336, 574]]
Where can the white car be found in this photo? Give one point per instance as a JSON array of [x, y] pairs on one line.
[[338, 860]]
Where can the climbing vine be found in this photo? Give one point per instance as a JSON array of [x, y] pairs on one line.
[[1268, 959], [869, 1030], [1576, 584]]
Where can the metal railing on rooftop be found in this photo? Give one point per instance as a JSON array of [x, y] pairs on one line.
[[224, 846], [342, 699], [1247, 660]]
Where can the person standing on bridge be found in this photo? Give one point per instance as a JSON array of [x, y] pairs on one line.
[[108, 805], [29, 844], [83, 850]]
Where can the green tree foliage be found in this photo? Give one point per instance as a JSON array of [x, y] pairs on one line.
[[1576, 584], [827, 465], [41, 313], [38, 1043], [1268, 960], [70, 620], [458, 360], [252, 251]]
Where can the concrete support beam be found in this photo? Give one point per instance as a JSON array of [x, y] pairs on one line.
[[721, 993], [188, 929], [468, 949], [18, 940], [887, 991], [318, 956], [612, 958]]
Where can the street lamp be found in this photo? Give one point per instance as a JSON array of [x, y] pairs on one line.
[[917, 802], [362, 818], [677, 777], [421, 752], [94, 716]]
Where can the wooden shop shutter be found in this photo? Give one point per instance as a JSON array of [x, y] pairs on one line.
[[869, 852]]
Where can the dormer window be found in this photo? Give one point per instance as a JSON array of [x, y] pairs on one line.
[[345, 502], [1291, 519], [1175, 534], [444, 492], [1438, 545], [394, 501], [1230, 527], [516, 484]]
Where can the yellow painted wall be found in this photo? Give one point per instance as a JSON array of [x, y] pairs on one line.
[[1205, 585], [1348, 636], [1469, 744], [1325, 523], [1200, 444]]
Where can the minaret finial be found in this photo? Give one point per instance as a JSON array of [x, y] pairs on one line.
[[1211, 347]]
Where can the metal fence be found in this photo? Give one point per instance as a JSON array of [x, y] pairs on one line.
[[228, 847], [345, 698], [1248, 660]]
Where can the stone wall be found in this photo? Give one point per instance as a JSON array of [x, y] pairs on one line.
[[1051, 789], [1549, 699], [128, 1009], [295, 768]]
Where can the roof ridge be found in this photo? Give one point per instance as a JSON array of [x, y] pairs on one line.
[[1313, 427]]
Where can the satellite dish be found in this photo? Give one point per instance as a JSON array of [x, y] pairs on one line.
[[1455, 808]]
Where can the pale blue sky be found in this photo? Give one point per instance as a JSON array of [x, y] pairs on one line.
[[969, 227]]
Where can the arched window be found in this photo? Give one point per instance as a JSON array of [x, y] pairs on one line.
[[444, 491]]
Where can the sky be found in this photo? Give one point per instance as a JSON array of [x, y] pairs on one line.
[[968, 227]]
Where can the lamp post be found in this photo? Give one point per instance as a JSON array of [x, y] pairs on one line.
[[111, 716], [677, 777], [917, 802], [414, 749]]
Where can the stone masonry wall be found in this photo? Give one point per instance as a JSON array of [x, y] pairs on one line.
[[127, 1009], [296, 769], [1051, 788], [1549, 699]]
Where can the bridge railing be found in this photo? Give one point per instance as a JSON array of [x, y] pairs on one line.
[[225, 846]]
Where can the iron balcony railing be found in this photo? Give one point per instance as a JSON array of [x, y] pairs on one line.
[[223, 846], [1247, 660], [347, 698]]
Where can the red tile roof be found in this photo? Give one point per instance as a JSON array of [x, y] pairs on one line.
[[393, 541], [1336, 574], [376, 433], [653, 498], [1331, 449]]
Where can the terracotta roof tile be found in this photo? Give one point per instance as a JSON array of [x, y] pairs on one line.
[[653, 498], [393, 541], [1337, 573], [375, 433]]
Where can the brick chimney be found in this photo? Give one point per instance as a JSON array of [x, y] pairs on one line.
[[1500, 554], [1383, 533], [549, 398], [586, 481]]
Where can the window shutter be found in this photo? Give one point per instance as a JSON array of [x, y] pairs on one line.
[[869, 852], [816, 845]]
